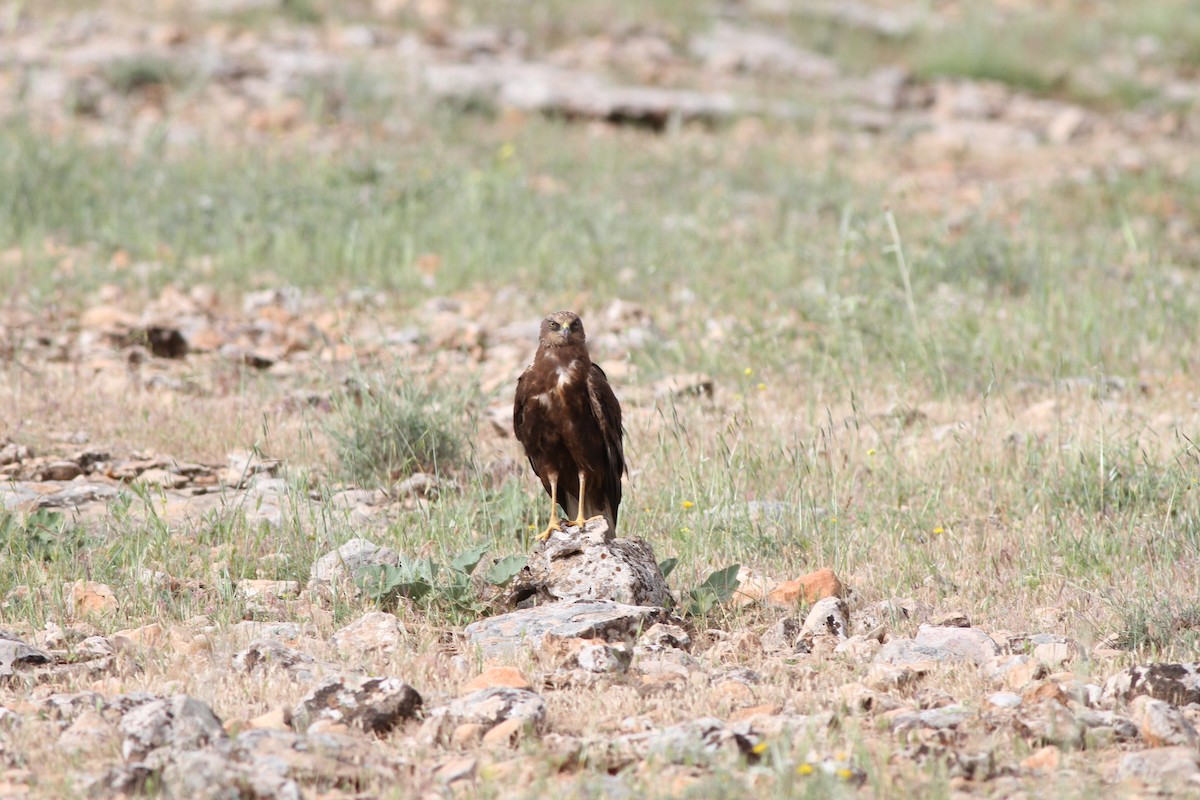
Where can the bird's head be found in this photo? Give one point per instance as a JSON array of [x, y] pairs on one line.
[[562, 328]]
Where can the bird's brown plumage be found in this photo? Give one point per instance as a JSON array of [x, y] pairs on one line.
[[569, 421]]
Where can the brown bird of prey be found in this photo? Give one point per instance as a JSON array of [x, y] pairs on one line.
[[569, 421]]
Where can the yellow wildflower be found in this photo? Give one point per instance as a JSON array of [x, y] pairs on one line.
[[748, 372], [804, 769], [759, 748], [939, 530], [688, 504], [845, 774]]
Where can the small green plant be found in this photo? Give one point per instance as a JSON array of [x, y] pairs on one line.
[[505, 569], [430, 583], [44, 535], [386, 432], [302, 11], [1148, 625], [128, 75], [1116, 481], [717, 588]]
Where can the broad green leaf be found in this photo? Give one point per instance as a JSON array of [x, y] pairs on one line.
[[414, 589], [505, 569], [722, 582], [717, 588], [377, 580], [466, 561], [667, 566]]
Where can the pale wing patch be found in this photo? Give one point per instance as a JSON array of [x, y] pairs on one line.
[[567, 374]]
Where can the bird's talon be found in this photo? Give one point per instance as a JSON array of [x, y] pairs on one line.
[[553, 527]]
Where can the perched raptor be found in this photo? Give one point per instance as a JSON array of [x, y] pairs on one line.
[[569, 421]]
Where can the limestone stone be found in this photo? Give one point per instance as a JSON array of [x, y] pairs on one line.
[[374, 705], [589, 564], [599, 619]]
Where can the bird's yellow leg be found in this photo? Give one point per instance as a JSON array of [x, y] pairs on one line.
[[579, 520], [553, 526]]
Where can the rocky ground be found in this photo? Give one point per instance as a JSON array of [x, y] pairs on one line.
[[201, 600]]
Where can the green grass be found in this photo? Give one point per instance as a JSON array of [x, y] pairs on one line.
[[799, 253], [387, 427], [912, 388], [128, 75]]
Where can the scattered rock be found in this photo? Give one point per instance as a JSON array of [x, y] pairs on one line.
[[374, 632], [1004, 699], [858, 648], [211, 775], [349, 562], [694, 384], [730, 49], [268, 589], [506, 733], [951, 619], [374, 705], [1105, 727], [268, 654], [13, 453], [456, 770], [497, 677], [244, 466], [603, 658], [179, 722], [1162, 724], [1066, 125], [782, 637], [279, 719], [144, 636], [810, 588], [567, 619], [588, 564], [1015, 672], [940, 644], [1172, 767], [278, 631], [472, 716], [1050, 723], [735, 648], [662, 635], [89, 732], [161, 478], [695, 741], [1177, 684], [940, 718], [828, 616], [885, 677], [1044, 760], [370, 704], [573, 94], [90, 597], [897, 23], [420, 484], [59, 471], [15, 654]]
